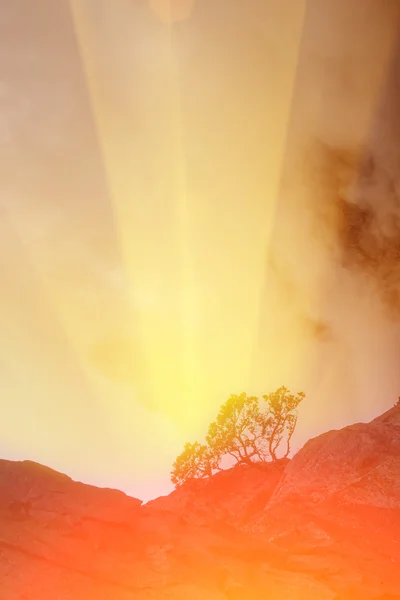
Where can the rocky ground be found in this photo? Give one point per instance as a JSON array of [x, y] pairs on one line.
[[325, 525]]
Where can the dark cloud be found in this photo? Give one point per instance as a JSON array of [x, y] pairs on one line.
[[357, 214], [356, 196], [318, 329]]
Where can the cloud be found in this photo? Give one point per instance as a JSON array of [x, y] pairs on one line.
[[357, 215], [294, 298], [318, 329]]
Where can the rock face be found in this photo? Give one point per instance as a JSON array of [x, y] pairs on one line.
[[325, 525], [336, 510], [231, 496], [360, 464]]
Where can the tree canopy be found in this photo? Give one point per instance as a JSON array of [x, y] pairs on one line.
[[247, 429]]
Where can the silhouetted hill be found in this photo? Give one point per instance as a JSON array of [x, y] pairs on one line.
[[325, 525]]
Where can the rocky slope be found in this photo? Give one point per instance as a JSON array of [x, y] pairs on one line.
[[325, 525], [336, 510]]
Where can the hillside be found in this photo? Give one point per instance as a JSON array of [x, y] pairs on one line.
[[325, 525]]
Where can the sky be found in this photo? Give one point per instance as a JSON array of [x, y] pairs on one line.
[[197, 199]]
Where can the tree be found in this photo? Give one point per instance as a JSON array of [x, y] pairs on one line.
[[281, 419], [237, 429], [246, 429], [195, 462]]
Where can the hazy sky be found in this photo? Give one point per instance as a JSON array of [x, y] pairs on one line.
[[178, 197]]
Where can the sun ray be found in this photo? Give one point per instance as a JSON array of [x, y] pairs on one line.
[[171, 342], [179, 374], [119, 199], [294, 33], [24, 213], [92, 408], [191, 392]]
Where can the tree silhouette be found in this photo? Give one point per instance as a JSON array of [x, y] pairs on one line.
[[246, 429], [195, 462]]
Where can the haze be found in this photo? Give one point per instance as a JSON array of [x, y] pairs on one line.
[[171, 230]]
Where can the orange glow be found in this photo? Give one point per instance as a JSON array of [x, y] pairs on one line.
[[167, 238]]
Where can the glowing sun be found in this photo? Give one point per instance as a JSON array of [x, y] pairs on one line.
[[172, 11]]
